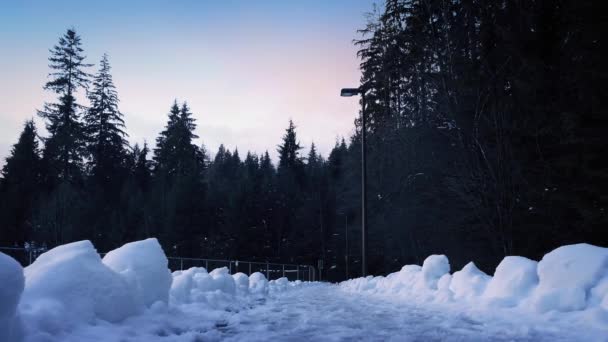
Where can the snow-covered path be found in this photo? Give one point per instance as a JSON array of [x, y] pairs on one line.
[[325, 312], [316, 312]]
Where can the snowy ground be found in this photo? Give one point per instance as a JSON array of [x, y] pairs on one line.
[[71, 294], [323, 312]]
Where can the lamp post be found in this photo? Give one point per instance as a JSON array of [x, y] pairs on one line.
[[348, 92]]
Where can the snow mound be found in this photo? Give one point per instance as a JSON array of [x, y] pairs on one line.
[[513, 280], [197, 285], [144, 266], [241, 281], [258, 284], [223, 281], [183, 284], [433, 268], [11, 288], [70, 284], [567, 274], [469, 282], [278, 285]]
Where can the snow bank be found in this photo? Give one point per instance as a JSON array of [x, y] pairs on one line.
[[570, 278], [11, 288], [144, 266], [197, 285], [567, 274], [70, 284]]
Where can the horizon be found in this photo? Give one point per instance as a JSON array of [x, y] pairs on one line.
[[301, 53]]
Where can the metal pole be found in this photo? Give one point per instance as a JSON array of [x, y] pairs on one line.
[[283, 270], [267, 270], [346, 235], [230, 266], [207, 265], [181, 264], [363, 190], [249, 268], [298, 277]]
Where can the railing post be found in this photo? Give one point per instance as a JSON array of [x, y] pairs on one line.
[[207, 265], [230, 266], [181, 264], [267, 270], [283, 270], [249, 268], [298, 272]]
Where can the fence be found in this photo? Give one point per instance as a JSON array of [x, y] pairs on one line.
[[271, 270]]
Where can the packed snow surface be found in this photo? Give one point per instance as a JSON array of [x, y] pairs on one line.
[[70, 294]]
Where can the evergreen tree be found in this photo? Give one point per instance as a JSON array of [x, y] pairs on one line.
[[20, 187], [104, 126], [64, 150]]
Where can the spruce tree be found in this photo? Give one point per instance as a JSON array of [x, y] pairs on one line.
[[104, 126], [65, 149], [19, 187]]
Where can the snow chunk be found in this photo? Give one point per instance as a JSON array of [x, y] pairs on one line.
[[469, 282], [433, 268], [566, 275], [223, 281], [70, 284], [196, 285], [183, 283], [278, 285], [258, 284], [11, 288], [242, 283], [145, 267], [513, 280]]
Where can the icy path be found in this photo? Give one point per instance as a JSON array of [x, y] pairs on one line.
[[318, 312]]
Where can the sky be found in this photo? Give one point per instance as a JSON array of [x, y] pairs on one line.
[[244, 67]]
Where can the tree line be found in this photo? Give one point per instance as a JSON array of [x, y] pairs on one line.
[[485, 139]]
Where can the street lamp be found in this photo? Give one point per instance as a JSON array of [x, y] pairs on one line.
[[348, 92]]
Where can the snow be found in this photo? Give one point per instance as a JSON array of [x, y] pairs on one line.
[[567, 274], [258, 284], [71, 295], [241, 280], [469, 282], [143, 265], [11, 288], [433, 268], [514, 279], [69, 285]]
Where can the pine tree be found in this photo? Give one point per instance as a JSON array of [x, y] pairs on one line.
[[19, 187], [289, 155], [104, 126], [65, 148]]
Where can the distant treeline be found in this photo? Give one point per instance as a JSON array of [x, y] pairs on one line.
[[486, 138]]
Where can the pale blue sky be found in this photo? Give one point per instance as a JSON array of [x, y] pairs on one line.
[[245, 67]]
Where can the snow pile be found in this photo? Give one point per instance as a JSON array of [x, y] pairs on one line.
[[566, 276], [11, 287], [433, 268], [469, 282], [143, 265], [241, 281], [258, 284], [514, 279], [68, 285], [570, 278]]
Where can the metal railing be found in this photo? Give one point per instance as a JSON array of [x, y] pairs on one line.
[[26, 256], [270, 270]]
